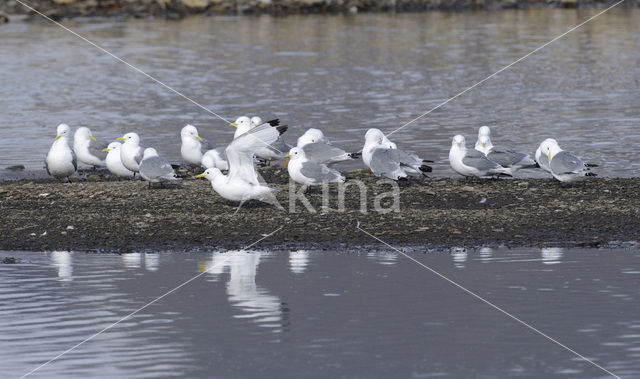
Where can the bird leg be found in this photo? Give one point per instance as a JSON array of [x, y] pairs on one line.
[[239, 206]]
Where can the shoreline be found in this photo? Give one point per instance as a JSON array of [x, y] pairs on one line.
[[178, 9], [435, 213]]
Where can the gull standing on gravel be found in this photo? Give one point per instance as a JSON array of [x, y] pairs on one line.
[[541, 158], [155, 169], [86, 152], [114, 162], [319, 149], [193, 146], [471, 162], [131, 152], [565, 166], [305, 171], [61, 161], [241, 183], [276, 150], [386, 161], [505, 157]]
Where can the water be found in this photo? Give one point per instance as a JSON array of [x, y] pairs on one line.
[[343, 74], [322, 314]]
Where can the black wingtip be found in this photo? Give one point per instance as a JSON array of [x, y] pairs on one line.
[[427, 161], [282, 129], [425, 168], [590, 165], [355, 155], [536, 165], [274, 122], [590, 174]]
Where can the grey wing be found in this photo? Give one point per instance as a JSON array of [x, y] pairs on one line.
[[383, 163], [505, 157], [318, 172], [74, 160], [323, 152], [564, 163], [98, 151], [157, 167], [477, 159], [403, 157]]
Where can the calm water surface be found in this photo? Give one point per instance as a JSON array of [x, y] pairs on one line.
[[322, 314], [342, 74]]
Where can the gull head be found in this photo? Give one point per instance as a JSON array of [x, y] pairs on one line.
[[113, 146], [484, 131], [149, 152], [296, 153], [459, 142], [484, 144], [550, 148], [132, 137], [189, 131], [374, 136], [62, 130], [210, 174], [310, 136], [83, 134], [255, 120], [243, 121]]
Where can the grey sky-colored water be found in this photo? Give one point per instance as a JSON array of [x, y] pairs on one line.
[[343, 74], [322, 314]]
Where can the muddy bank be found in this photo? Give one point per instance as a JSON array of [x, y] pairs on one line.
[[59, 9], [125, 216]]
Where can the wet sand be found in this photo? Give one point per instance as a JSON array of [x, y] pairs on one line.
[[99, 214]]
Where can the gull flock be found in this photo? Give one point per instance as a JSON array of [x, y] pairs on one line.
[[232, 169]]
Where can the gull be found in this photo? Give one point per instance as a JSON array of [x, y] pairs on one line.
[[386, 160], [193, 146], [241, 183], [565, 166], [215, 158], [85, 151], [155, 169], [318, 148], [305, 171], [471, 162], [114, 162], [131, 152], [541, 158], [61, 161], [274, 151], [505, 157]]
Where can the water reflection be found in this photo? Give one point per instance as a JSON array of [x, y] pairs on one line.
[[459, 255], [151, 261], [385, 258], [298, 261], [132, 260], [551, 255], [62, 260], [255, 302], [485, 254]]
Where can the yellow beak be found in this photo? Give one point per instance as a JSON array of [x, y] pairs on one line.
[[198, 138], [106, 149], [233, 124], [92, 138], [288, 156], [120, 139], [57, 137], [484, 144], [549, 156], [200, 176], [458, 143]]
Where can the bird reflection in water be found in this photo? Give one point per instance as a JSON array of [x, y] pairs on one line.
[[62, 261], [255, 303]]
